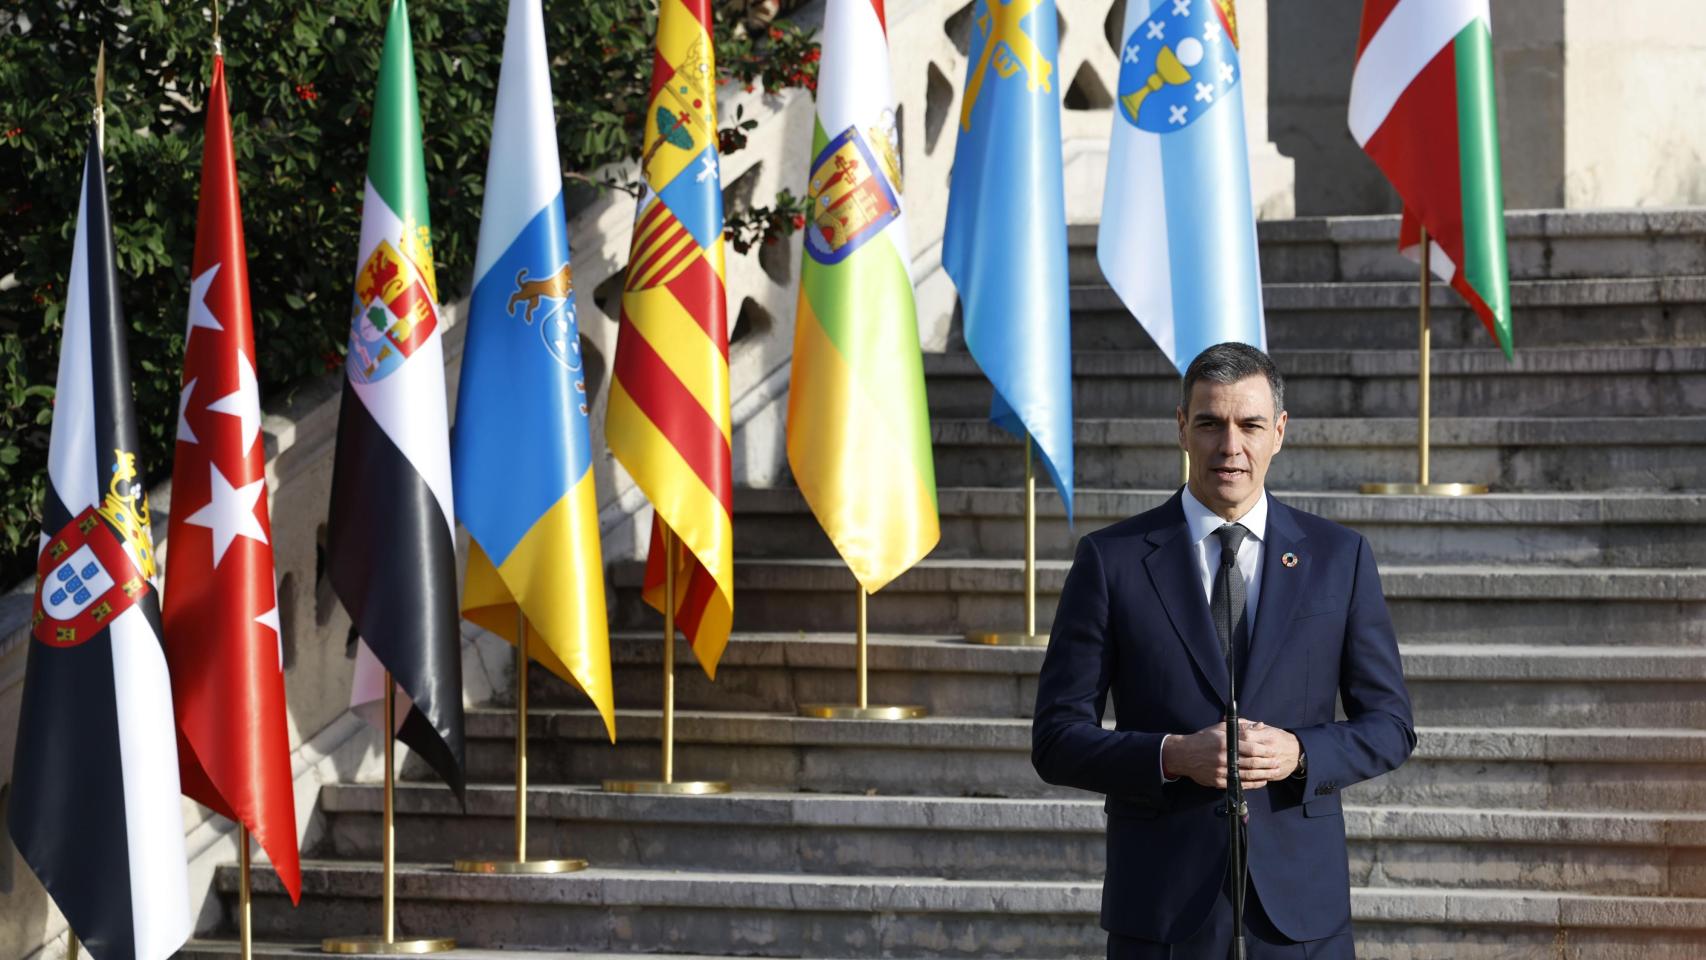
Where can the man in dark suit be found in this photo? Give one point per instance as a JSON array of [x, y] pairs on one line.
[[1146, 612]]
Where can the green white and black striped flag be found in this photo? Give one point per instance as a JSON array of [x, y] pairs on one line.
[[391, 542]]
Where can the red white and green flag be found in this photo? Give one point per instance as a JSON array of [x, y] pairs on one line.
[[1422, 107]]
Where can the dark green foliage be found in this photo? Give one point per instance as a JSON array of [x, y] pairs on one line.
[[301, 77]]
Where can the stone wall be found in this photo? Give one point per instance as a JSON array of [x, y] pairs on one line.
[[1634, 85]]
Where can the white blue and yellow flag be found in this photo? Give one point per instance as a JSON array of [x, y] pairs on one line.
[[1178, 234], [1005, 244], [522, 452]]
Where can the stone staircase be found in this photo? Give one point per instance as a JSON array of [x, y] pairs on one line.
[[1554, 637]]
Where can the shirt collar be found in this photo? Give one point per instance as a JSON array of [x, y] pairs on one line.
[[1202, 521]]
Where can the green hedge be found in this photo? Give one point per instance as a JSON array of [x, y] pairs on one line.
[[301, 76]]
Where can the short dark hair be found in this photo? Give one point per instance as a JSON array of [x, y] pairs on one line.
[[1231, 362]]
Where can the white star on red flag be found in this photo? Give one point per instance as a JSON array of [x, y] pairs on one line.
[[244, 404], [200, 315], [231, 512], [185, 434], [222, 628]]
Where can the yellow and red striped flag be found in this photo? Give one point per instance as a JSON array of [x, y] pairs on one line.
[[668, 421]]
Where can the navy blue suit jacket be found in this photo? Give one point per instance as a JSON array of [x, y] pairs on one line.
[[1133, 622]]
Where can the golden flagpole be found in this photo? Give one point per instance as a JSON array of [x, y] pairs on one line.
[[1424, 485], [862, 709], [245, 857], [1029, 638], [387, 943], [245, 932], [71, 946], [667, 784], [1184, 454], [520, 864]]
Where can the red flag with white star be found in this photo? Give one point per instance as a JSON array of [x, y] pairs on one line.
[[223, 643]]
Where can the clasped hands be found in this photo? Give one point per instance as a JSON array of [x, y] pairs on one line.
[[1265, 754]]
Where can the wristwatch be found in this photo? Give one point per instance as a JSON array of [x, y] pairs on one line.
[[1302, 771]]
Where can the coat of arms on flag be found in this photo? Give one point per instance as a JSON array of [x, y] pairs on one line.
[[1177, 63], [851, 198], [394, 309], [552, 297], [87, 578]]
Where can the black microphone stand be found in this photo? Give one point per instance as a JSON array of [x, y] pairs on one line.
[[1236, 811]]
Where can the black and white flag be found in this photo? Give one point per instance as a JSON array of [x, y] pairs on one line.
[[95, 809]]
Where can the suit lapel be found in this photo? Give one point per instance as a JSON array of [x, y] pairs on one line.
[[1282, 587], [1173, 572]]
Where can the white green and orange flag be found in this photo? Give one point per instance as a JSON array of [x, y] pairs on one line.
[[668, 420], [1422, 107], [858, 425]]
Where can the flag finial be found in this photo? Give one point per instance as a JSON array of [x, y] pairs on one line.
[[218, 45], [100, 116]]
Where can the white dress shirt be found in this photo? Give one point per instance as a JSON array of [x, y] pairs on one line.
[[1205, 546], [1202, 522]]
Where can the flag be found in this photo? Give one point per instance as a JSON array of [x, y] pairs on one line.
[[221, 603], [1177, 240], [94, 808], [668, 421], [858, 425], [1422, 107], [1005, 243], [522, 449], [391, 548]]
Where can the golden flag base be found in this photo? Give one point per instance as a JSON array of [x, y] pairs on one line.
[[667, 785], [1424, 388], [848, 711], [1425, 489], [382, 947], [863, 710], [1029, 637], [690, 788], [387, 943], [519, 866], [1014, 639]]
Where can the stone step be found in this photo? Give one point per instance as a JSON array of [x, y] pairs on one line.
[[1429, 604], [213, 948], [1526, 455], [1450, 684], [792, 915], [1533, 768], [652, 911], [1539, 382], [1540, 244], [1555, 529], [1653, 311], [977, 839]]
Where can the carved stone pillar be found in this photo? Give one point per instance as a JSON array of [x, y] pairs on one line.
[[1272, 177]]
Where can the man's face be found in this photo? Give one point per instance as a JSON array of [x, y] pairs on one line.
[[1231, 432]]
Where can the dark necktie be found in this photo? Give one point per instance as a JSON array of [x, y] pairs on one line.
[[1227, 601]]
